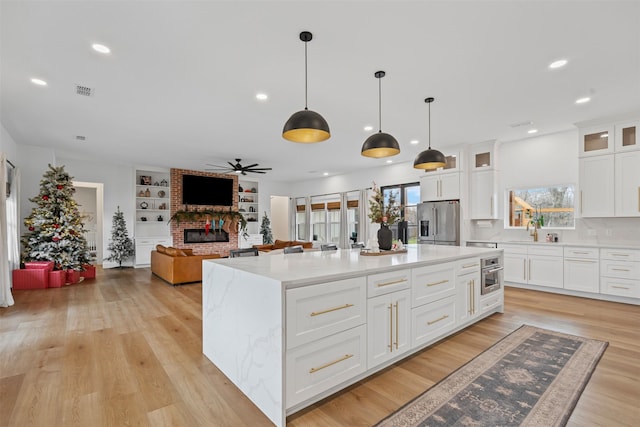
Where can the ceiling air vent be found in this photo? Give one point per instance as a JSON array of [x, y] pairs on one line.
[[84, 90], [519, 124], [81, 138]]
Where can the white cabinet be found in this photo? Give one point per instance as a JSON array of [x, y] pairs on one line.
[[482, 156], [316, 311], [388, 316], [620, 272], [440, 186], [582, 269], [627, 184], [145, 245], [539, 265], [468, 291], [432, 283], [627, 137], [248, 204], [597, 186], [596, 140], [388, 326], [325, 363], [432, 320], [482, 195]]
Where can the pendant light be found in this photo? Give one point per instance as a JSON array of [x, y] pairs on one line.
[[380, 144], [306, 126], [429, 159]]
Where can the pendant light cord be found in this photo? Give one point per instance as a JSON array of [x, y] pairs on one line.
[[429, 126], [380, 104], [305, 75]]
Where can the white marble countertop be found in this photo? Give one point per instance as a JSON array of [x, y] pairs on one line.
[[305, 268], [581, 244]]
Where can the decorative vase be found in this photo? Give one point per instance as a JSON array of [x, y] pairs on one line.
[[385, 237]]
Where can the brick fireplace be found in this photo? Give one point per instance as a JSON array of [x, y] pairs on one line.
[[210, 243]]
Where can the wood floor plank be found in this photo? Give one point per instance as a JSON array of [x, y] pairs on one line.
[[126, 349]]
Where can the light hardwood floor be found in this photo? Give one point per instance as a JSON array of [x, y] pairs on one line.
[[126, 349]]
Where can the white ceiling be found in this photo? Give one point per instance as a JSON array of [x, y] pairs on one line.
[[178, 89]]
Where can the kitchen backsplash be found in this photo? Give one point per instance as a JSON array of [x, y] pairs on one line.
[[617, 231]]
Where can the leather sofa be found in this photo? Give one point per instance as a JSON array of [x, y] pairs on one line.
[[178, 266], [281, 244]]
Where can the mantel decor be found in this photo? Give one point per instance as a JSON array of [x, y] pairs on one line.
[[209, 214]]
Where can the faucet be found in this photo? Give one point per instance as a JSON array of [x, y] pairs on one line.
[[534, 233]]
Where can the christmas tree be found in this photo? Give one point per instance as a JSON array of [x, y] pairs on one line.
[[120, 246], [55, 230], [265, 230]]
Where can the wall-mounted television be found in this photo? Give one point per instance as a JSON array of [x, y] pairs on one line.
[[207, 190]]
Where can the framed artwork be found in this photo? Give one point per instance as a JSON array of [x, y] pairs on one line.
[[145, 180]]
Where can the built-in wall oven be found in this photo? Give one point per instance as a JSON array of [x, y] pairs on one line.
[[491, 272]]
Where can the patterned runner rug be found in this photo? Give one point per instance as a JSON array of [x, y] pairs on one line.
[[532, 377]]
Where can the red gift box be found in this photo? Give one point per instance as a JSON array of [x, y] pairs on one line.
[[35, 278], [48, 265], [73, 276], [89, 271], [57, 278]]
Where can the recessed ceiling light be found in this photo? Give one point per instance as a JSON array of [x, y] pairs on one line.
[[414, 141], [100, 48], [38, 82], [326, 174], [532, 131], [262, 96], [368, 128], [389, 161], [558, 64], [583, 100]]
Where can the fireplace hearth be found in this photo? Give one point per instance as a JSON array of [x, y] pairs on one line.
[[198, 235]]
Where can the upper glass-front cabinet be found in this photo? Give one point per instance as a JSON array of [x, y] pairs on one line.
[[451, 165], [627, 138], [595, 141]]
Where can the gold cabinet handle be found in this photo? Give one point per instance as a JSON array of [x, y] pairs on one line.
[[391, 328], [329, 310], [393, 282], [475, 264], [584, 261], [326, 365], [620, 269], [529, 268], [397, 330], [437, 283], [524, 269], [619, 287], [473, 296], [618, 254], [581, 252], [470, 310], [438, 319]]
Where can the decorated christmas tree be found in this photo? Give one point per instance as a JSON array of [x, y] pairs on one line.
[[265, 230], [55, 230], [120, 246]]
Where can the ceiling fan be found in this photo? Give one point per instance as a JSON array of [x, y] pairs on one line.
[[237, 168]]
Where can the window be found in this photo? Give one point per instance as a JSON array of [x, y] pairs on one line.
[[555, 204], [408, 196], [301, 220]]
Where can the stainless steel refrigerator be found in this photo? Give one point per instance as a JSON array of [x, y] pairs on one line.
[[439, 223]]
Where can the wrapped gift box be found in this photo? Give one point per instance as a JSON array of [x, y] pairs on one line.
[[89, 271], [57, 278], [35, 278], [73, 276], [47, 265]]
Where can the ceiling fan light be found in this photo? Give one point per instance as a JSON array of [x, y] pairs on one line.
[[380, 145], [307, 127], [429, 159]]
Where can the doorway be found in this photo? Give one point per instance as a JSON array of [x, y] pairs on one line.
[[89, 196]]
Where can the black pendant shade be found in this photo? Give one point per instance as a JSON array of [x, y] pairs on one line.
[[380, 144], [306, 126], [429, 159]]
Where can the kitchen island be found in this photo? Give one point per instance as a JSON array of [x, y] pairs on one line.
[[291, 329]]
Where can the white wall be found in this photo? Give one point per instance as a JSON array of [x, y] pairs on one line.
[[8, 145]]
